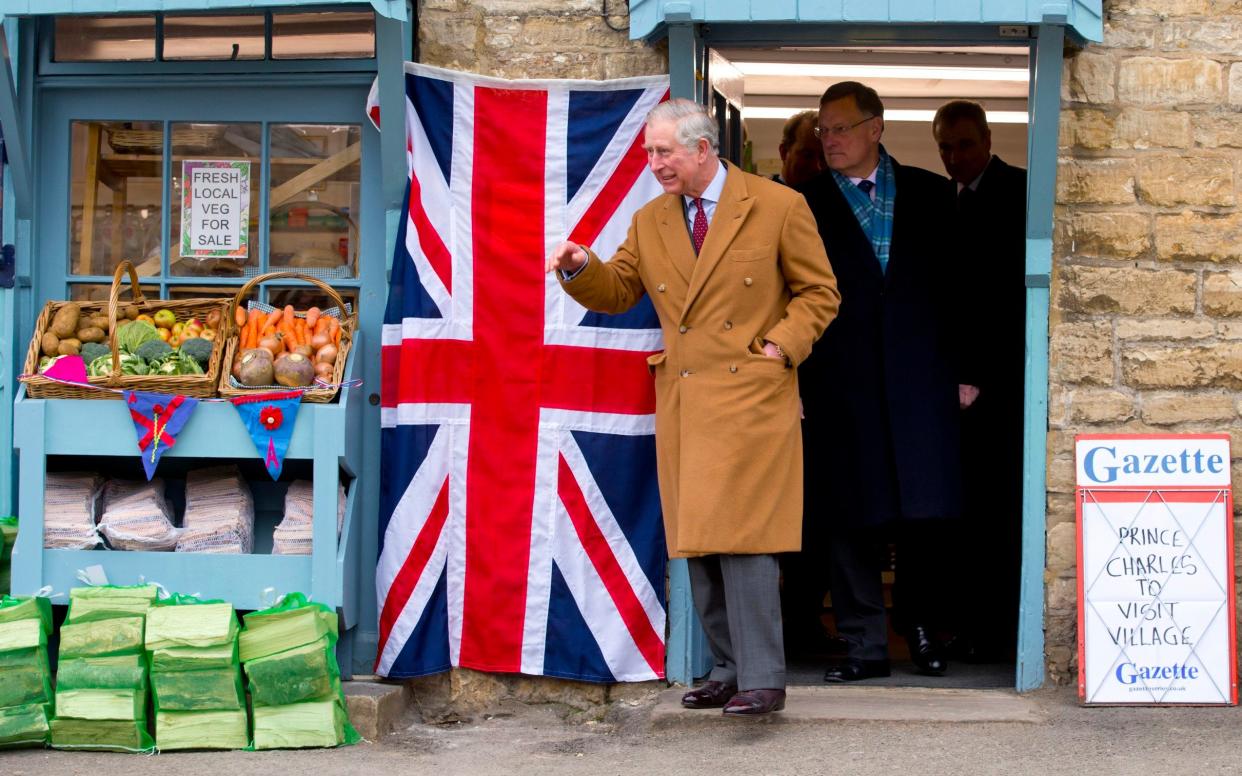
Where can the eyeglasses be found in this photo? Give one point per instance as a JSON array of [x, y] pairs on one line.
[[837, 131]]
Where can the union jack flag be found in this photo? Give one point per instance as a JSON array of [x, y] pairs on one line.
[[519, 515]]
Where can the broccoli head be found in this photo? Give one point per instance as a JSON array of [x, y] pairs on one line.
[[198, 349], [153, 350]]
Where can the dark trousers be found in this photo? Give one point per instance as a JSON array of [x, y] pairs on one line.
[[856, 558], [738, 601]]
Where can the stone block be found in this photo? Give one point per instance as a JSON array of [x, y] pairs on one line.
[[1230, 330], [1090, 129], [1161, 9], [1108, 235], [375, 708], [1222, 293], [626, 64], [1167, 409], [1218, 366], [1199, 237], [1235, 85], [1081, 353], [1185, 180], [1062, 592], [1153, 129], [1089, 78], [1062, 549], [1218, 130], [1120, 33], [1208, 36], [566, 33], [1058, 405], [1100, 406], [1159, 81], [1096, 181], [1059, 508], [546, 689], [1130, 291], [589, 8], [1173, 329]]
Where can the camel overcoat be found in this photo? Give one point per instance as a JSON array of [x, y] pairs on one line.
[[728, 439]]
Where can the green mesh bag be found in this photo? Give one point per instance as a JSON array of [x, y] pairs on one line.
[[8, 538], [26, 608], [105, 601], [113, 636], [22, 634], [104, 735], [27, 679], [121, 672], [101, 704], [185, 621], [201, 730], [214, 689], [304, 673], [291, 623], [302, 725], [194, 658], [22, 726]]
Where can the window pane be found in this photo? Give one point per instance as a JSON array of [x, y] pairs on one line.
[[213, 37], [220, 145], [336, 35], [306, 297], [114, 200], [98, 292], [104, 39], [314, 196]]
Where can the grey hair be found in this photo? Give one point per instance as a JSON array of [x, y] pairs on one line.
[[693, 123]]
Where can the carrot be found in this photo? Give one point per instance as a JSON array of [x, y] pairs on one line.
[[321, 326], [336, 332], [303, 331], [289, 314], [312, 317]]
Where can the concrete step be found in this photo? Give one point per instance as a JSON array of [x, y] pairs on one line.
[[870, 704], [375, 706]]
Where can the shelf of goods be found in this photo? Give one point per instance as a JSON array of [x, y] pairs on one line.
[[327, 435]]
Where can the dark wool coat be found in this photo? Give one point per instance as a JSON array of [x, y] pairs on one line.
[[880, 389]]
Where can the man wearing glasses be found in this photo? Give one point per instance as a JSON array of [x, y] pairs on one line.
[[883, 390]]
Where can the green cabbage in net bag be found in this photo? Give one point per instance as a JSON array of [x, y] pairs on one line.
[[104, 601], [24, 726], [194, 658], [201, 730], [184, 621], [304, 673], [26, 608], [25, 677], [291, 623], [208, 690], [113, 636], [302, 725], [106, 735]]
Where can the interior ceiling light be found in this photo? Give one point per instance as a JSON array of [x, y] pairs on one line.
[[891, 114], [864, 72]]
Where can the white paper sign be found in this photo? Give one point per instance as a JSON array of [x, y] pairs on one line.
[[215, 208], [1155, 581]]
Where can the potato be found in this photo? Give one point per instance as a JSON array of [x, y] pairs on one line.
[[69, 347], [91, 334], [50, 344], [100, 321], [129, 311], [65, 321]]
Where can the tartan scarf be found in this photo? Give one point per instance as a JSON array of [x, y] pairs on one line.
[[875, 218]]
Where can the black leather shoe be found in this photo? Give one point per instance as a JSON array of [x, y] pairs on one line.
[[711, 695], [925, 653], [855, 670], [752, 703]]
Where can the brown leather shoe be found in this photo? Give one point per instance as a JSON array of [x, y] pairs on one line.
[[749, 703], [711, 695]]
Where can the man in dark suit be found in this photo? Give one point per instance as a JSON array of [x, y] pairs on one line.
[[884, 388], [990, 199], [802, 158]]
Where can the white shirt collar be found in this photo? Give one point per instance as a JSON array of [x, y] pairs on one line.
[[974, 185], [712, 192], [870, 177]]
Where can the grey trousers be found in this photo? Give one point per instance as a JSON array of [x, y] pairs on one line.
[[738, 601]]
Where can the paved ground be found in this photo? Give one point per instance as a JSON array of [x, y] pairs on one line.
[[1056, 737]]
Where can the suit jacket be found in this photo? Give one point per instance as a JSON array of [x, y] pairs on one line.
[[728, 441], [880, 391]]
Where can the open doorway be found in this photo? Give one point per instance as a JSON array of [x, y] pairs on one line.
[[755, 90]]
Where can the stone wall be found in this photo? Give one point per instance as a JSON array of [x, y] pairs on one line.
[[534, 39], [1146, 320]]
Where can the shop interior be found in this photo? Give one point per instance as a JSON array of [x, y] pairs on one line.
[[763, 87]]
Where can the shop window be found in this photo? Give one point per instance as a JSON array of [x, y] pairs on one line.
[[213, 37], [336, 35], [216, 147], [314, 194], [303, 298], [98, 292], [114, 195], [105, 38]]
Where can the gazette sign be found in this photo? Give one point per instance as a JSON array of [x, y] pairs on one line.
[[1155, 570]]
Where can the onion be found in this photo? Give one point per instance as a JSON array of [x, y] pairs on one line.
[[324, 369], [319, 340], [326, 354]]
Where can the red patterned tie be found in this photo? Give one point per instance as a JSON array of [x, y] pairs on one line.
[[700, 225]]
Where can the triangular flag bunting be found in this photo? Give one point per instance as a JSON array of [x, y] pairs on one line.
[[69, 369], [158, 419], [269, 417]]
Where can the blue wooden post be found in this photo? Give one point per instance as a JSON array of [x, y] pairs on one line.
[[1041, 191]]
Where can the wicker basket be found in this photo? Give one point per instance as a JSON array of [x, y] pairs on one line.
[[197, 386], [349, 321], [151, 141]]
